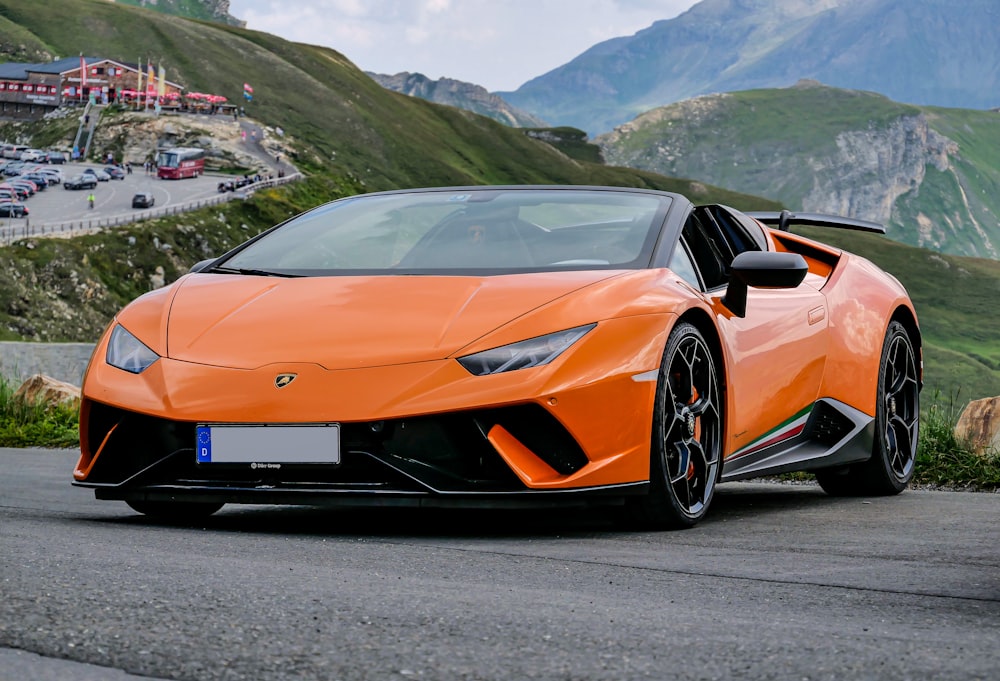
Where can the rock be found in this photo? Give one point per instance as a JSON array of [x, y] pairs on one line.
[[49, 391], [979, 425]]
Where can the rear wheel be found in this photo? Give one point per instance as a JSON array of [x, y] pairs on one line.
[[686, 450], [897, 424], [175, 510]]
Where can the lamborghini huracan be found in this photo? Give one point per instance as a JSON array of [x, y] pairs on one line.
[[521, 346]]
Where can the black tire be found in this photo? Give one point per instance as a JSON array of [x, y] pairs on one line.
[[175, 510], [897, 426], [686, 447]]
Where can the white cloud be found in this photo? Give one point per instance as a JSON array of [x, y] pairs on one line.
[[497, 44]]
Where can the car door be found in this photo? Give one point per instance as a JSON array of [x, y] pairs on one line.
[[776, 354]]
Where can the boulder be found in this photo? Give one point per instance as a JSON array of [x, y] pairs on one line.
[[979, 425], [49, 391]]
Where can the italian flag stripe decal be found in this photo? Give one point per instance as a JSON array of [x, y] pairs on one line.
[[784, 431]]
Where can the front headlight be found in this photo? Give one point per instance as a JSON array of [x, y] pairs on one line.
[[533, 352], [127, 352]]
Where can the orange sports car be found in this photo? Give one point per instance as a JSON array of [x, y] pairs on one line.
[[524, 345]]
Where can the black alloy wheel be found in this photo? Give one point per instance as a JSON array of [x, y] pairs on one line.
[[686, 449], [897, 426]]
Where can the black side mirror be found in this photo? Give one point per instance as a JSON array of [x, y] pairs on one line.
[[761, 269], [202, 265]]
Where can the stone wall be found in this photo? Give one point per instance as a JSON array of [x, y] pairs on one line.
[[62, 361]]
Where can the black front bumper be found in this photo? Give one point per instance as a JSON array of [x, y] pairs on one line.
[[441, 460]]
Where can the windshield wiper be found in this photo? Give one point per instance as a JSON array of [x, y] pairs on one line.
[[251, 272]]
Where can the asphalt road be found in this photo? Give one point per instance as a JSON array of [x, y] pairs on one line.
[[780, 582], [112, 198]]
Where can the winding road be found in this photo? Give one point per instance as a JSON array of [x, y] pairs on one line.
[[780, 582]]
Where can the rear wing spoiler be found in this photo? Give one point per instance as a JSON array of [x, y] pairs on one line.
[[786, 218]]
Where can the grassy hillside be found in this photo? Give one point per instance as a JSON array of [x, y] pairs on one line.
[[192, 9], [931, 174], [348, 124], [352, 135]]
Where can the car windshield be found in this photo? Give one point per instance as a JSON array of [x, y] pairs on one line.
[[466, 231]]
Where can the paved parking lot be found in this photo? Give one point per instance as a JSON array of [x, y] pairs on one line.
[[112, 198]]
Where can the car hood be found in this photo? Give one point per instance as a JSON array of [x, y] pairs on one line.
[[349, 322]]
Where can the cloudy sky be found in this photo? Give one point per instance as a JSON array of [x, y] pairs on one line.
[[499, 44]]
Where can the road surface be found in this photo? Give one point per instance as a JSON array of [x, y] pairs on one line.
[[779, 582]]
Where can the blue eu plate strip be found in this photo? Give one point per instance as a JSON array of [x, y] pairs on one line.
[[204, 440]]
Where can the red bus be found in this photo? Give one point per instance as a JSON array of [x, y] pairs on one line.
[[180, 162]]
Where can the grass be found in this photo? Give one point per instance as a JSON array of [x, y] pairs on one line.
[[33, 424], [942, 460]]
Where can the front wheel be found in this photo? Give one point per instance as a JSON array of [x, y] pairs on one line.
[[897, 425], [686, 448]]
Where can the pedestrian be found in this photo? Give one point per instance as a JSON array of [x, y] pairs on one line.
[[90, 199], [243, 135], [128, 167]]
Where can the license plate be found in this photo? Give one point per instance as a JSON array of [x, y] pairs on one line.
[[314, 443]]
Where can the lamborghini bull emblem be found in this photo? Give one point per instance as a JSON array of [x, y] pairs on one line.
[[281, 380]]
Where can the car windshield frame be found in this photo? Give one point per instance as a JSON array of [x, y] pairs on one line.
[[462, 231]]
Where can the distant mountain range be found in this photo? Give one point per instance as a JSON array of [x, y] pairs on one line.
[[931, 174], [459, 94], [937, 52]]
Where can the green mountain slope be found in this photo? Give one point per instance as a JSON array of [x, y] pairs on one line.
[[206, 10], [932, 175], [460, 94], [347, 124]]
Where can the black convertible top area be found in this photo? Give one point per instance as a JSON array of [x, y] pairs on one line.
[[786, 218]]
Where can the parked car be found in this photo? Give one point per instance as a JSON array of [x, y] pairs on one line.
[[20, 192], [32, 155], [55, 174], [42, 181], [85, 181], [97, 173], [12, 150], [143, 200], [54, 157], [28, 185], [13, 209], [573, 343], [233, 185], [115, 172]]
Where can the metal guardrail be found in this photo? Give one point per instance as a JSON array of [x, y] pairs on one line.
[[12, 232]]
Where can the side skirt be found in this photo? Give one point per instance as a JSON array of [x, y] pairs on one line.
[[834, 434]]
